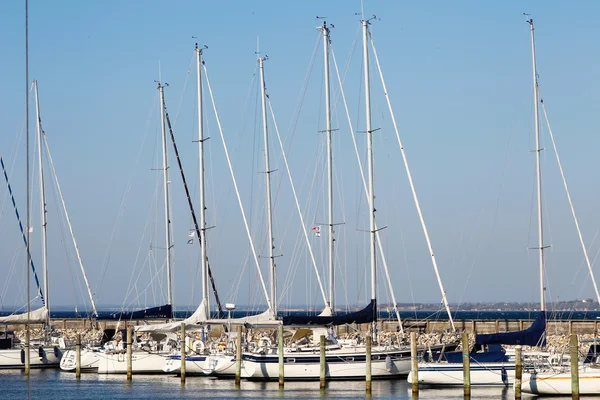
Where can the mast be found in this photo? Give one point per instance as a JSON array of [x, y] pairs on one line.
[[328, 131], [538, 168], [166, 191], [28, 206], [272, 270], [371, 195], [201, 139], [42, 201]]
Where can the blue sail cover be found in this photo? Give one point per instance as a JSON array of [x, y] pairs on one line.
[[364, 316], [532, 336], [160, 312]]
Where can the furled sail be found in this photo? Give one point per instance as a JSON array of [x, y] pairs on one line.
[[364, 316], [532, 336], [160, 312], [198, 316], [38, 316]]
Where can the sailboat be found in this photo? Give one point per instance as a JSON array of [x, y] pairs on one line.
[[148, 355], [491, 364], [302, 362], [547, 379], [49, 348], [202, 360]]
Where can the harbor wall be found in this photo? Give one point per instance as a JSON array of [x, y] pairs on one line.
[[557, 327]]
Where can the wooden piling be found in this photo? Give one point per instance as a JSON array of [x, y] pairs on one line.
[[238, 356], [574, 366], [183, 351], [322, 363], [368, 359], [27, 360], [415, 363], [466, 365], [129, 352], [280, 353], [518, 372], [78, 356]]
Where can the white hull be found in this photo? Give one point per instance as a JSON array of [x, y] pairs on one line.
[[141, 363], [451, 374], [219, 365], [339, 364], [556, 383], [15, 358], [89, 360]]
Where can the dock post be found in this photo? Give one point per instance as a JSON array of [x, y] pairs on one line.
[[78, 356], [27, 360], [415, 363], [574, 366], [518, 372], [368, 362], [129, 345], [238, 356], [182, 344], [466, 365], [322, 363], [280, 351]]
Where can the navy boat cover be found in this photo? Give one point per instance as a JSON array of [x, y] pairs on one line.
[[363, 316], [160, 312], [532, 336]]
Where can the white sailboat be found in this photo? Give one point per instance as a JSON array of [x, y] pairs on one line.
[[342, 361], [557, 380], [148, 357], [49, 349], [494, 366]]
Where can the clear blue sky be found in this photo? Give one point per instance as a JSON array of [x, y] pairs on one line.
[[459, 76]]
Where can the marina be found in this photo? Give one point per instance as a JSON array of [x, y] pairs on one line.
[[381, 214]]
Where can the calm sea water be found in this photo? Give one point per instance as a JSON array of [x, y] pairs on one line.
[[54, 384]]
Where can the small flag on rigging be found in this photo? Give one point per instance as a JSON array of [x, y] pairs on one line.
[[317, 231]]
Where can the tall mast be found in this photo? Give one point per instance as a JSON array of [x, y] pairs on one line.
[[538, 168], [28, 206], [272, 270], [166, 191], [42, 200], [328, 131], [201, 139], [372, 227]]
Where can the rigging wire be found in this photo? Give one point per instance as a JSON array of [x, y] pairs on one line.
[[575, 220], [236, 190]]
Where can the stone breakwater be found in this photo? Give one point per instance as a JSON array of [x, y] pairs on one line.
[[557, 337]]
